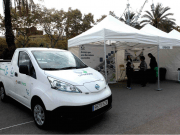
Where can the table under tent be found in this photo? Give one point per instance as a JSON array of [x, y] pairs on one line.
[[110, 30]]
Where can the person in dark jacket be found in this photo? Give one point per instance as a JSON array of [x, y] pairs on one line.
[[130, 60], [129, 73], [143, 68], [153, 62]]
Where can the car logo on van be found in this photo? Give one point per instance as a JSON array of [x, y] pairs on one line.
[[97, 86], [6, 70], [82, 73]]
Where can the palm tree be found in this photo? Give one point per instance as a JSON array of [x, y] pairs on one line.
[[132, 22], [159, 18], [8, 25], [131, 17]]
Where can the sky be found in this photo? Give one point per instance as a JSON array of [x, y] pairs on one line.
[[102, 7]]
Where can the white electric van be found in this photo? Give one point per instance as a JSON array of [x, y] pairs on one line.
[[54, 83]]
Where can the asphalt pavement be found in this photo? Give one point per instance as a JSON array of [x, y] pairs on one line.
[[142, 110]]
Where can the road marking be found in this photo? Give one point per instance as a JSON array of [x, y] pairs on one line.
[[16, 125]]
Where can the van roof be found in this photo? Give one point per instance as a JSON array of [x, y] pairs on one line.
[[40, 48]]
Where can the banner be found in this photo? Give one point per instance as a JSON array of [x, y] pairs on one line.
[[165, 47], [93, 56]]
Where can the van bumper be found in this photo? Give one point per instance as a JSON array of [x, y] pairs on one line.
[[82, 113]]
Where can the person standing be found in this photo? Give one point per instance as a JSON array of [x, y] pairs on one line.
[[130, 60], [153, 62], [129, 73], [143, 68]]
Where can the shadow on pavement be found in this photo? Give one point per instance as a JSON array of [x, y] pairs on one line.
[[74, 126]]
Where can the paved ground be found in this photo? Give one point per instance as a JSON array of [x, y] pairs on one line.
[[136, 111]]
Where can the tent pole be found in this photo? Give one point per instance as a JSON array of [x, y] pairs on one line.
[[79, 52], [158, 89], [105, 59]]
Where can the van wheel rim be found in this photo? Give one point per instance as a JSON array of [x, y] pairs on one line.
[[2, 93], [39, 115]]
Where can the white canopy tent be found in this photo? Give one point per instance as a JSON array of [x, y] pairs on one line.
[[114, 30], [174, 34], [165, 39]]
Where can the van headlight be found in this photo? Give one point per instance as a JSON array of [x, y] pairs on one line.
[[62, 86]]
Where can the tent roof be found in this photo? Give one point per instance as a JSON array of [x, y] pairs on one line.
[[153, 30], [175, 34], [112, 29], [164, 38]]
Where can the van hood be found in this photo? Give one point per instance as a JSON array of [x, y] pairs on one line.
[[76, 76]]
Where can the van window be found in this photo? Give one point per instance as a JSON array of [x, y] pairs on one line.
[[57, 60], [25, 60]]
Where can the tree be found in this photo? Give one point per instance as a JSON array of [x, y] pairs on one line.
[[3, 45], [21, 22], [2, 25], [73, 23], [87, 22], [76, 23], [177, 28], [159, 18], [100, 19], [27, 4], [9, 33], [53, 24], [131, 18]]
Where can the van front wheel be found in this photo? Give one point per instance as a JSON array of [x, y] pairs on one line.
[[40, 115]]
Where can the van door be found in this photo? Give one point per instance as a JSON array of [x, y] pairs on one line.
[[23, 81]]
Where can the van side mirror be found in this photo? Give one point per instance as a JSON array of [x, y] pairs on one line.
[[23, 69]]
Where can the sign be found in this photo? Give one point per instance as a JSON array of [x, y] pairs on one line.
[[165, 47], [93, 56]]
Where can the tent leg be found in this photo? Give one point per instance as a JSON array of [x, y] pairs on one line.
[[158, 89], [105, 61]]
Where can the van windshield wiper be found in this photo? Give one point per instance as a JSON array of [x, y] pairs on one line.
[[82, 67], [64, 68], [74, 67], [69, 68], [51, 68]]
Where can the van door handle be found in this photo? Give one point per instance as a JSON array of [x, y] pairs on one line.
[[16, 74]]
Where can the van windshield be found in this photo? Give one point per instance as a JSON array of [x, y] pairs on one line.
[[57, 60]]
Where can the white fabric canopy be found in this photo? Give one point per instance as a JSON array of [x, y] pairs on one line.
[[164, 38], [112, 29], [174, 34]]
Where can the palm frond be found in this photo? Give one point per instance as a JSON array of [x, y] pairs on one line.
[[149, 14], [145, 21], [171, 19], [165, 10], [165, 16], [144, 24]]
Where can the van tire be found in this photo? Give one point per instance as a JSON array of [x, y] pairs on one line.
[[3, 95], [40, 115]]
